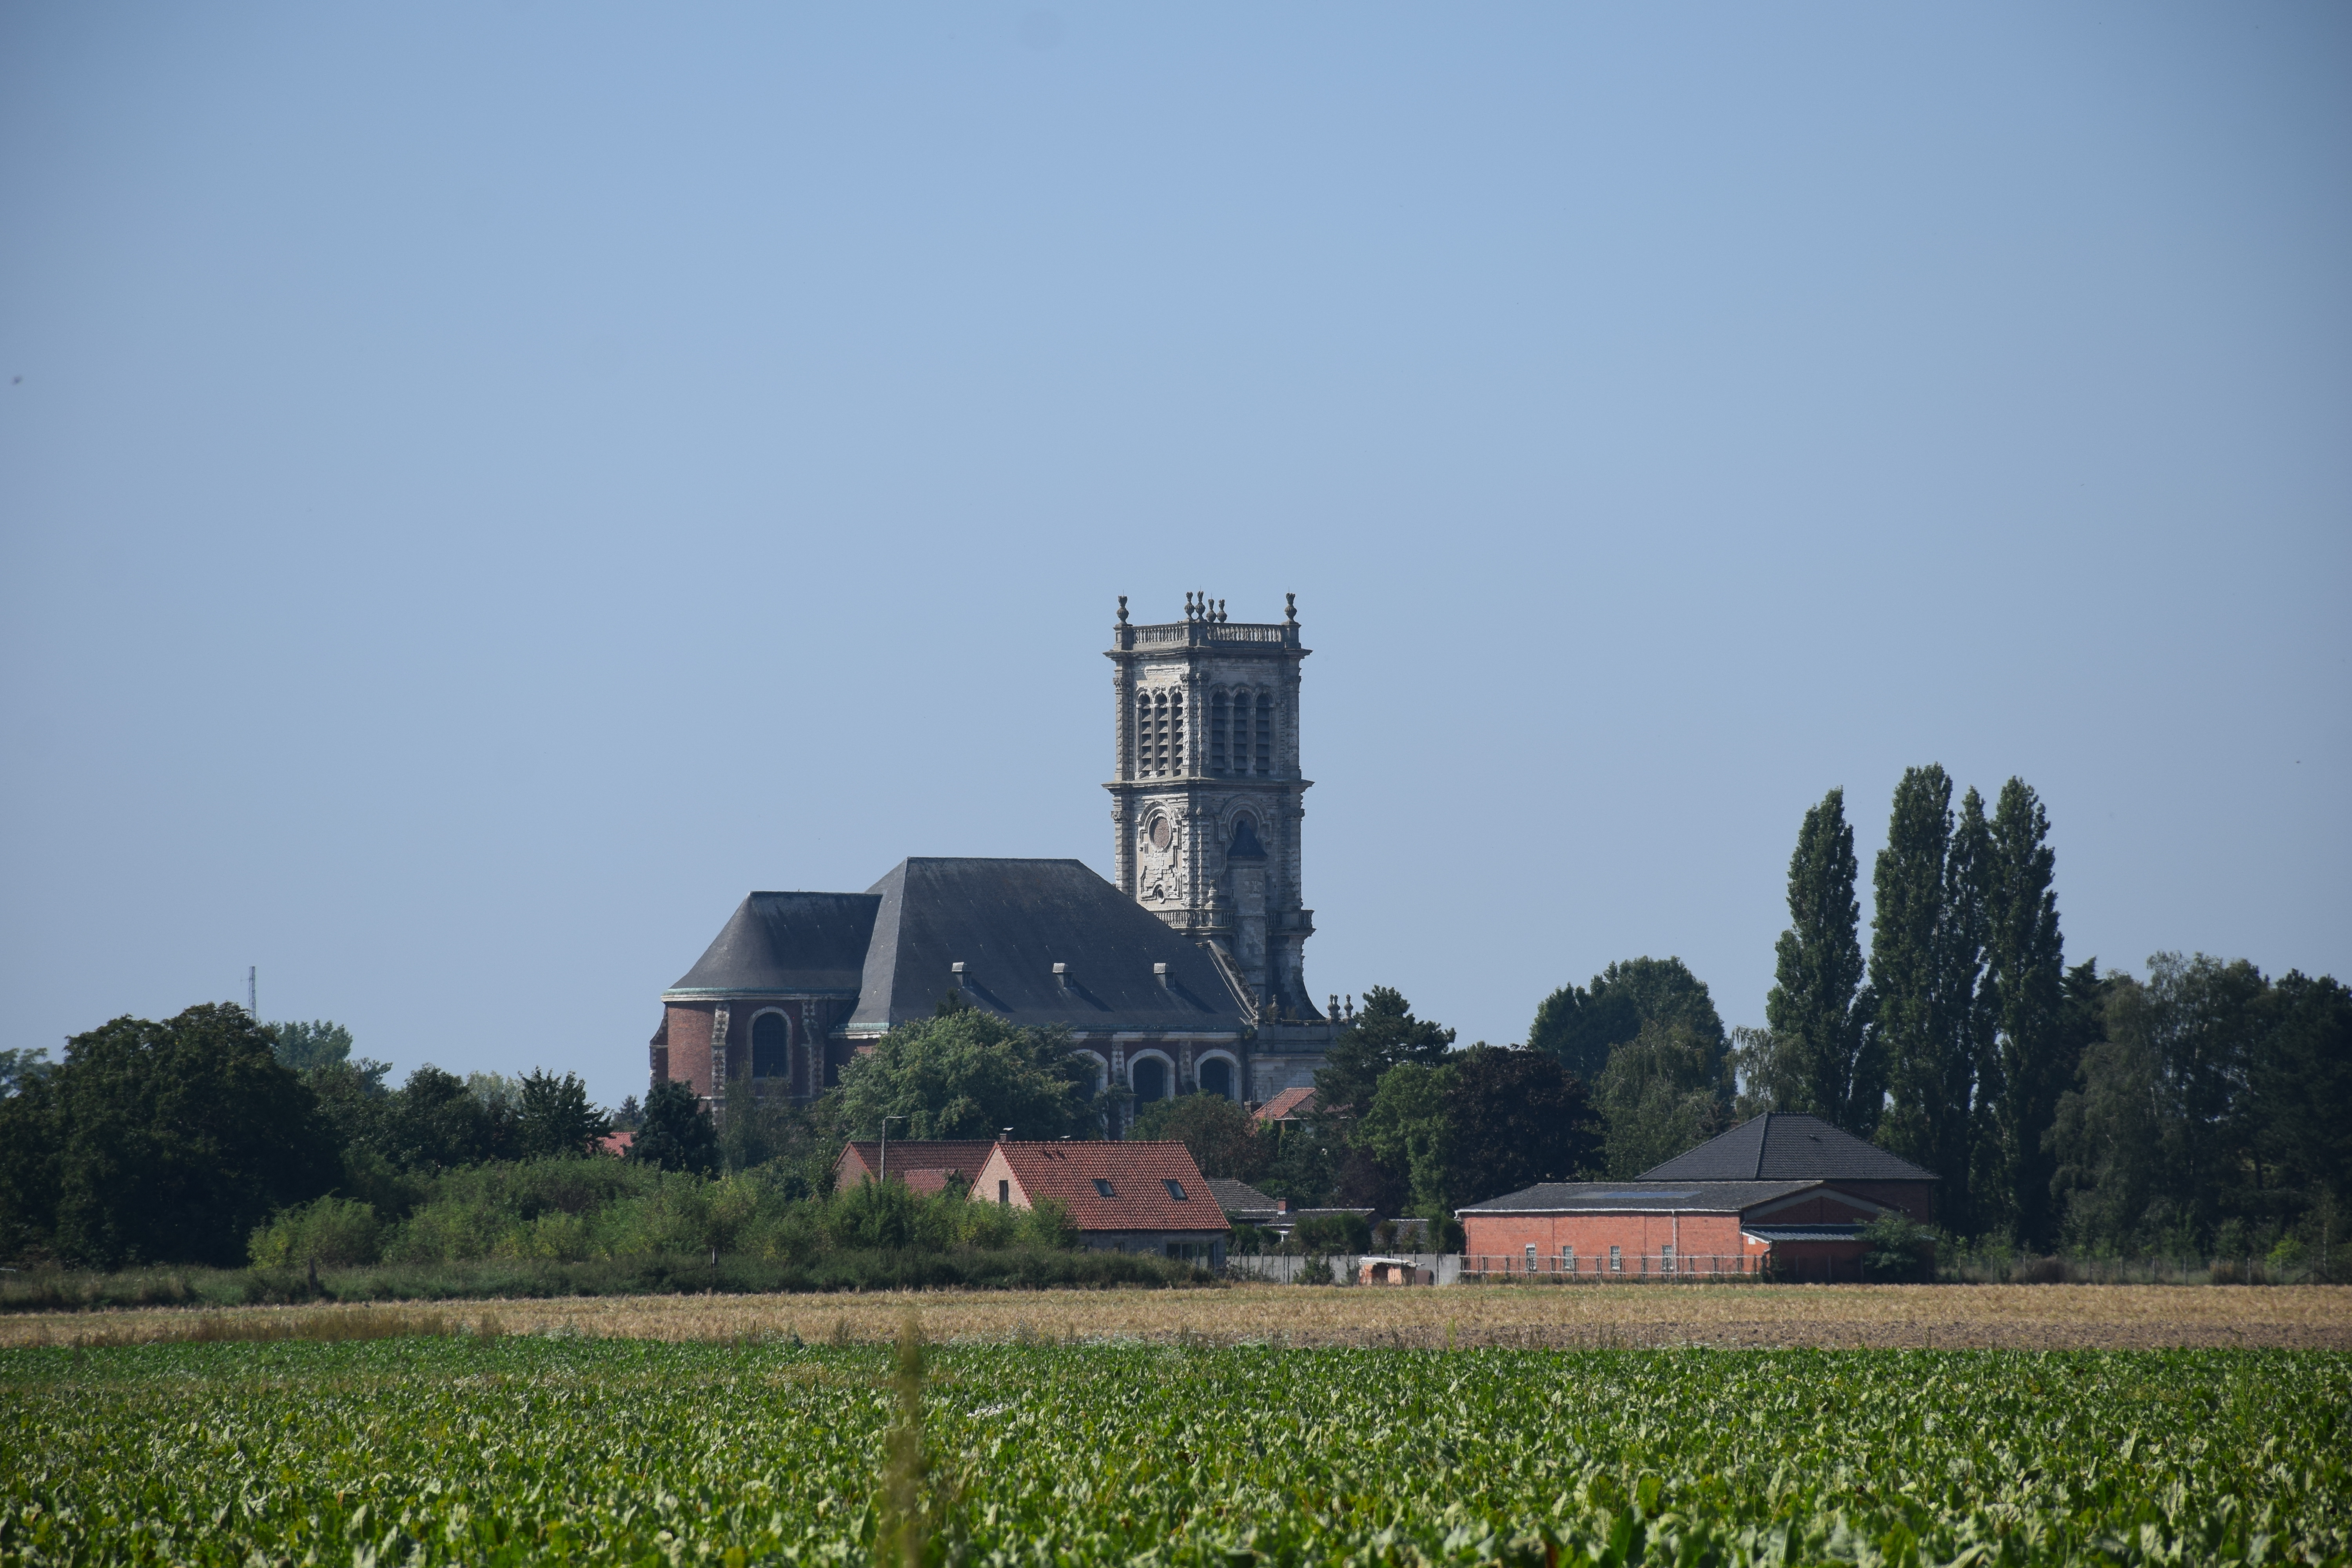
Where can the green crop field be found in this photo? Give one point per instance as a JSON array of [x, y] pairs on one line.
[[537, 1450]]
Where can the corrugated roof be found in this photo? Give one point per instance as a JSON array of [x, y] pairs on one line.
[[1801, 1232], [1617, 1197], [1784, 1146], [1009, 922], [1136, 1172], [787, 942]]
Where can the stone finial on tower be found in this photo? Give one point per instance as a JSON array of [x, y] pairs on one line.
[[1289, 608], [1122, 609]]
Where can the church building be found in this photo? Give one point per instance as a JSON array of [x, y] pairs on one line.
[[1182, 975]]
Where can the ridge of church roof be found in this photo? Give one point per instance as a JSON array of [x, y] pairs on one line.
[[1780, 1145], [1010, 922]]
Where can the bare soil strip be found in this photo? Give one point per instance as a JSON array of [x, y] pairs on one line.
[[1938, 1316]]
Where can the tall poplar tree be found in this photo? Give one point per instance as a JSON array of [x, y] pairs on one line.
[[1927, 955], [1822, 1060], [1964, 1010], [2025, 980]]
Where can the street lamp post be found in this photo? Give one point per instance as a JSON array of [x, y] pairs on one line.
[[886, 1144]]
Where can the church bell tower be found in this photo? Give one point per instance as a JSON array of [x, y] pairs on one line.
[[1206, 804]]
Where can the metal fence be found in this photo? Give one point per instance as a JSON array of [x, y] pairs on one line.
[[1613, 1266]]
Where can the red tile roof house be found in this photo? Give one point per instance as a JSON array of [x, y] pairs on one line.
[[924, 1164], [1778, 1196], [1132, 1196]]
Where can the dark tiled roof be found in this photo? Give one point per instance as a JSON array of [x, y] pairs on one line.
[[1240, 1200], [1137, 1171], [1009, 922], [787, 942], [1780, 1146], [1617, 1197]]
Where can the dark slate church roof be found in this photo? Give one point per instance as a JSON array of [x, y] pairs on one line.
[[1009, 922], [1781, 1147], [788, 942]]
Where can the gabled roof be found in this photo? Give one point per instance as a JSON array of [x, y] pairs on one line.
[[860, 1156], [1622, 1197], [1009, 922], [1781, 1146], [786, 942], [1137, 1171], [1288, 1106], [1240, 1200]]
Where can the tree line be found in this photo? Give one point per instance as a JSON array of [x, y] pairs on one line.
[[2204, 1110]]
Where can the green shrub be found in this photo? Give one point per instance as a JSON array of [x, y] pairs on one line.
[[331, 1232], [1897, 1248], [1333, 1233]]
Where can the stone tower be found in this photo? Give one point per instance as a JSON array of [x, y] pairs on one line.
[[1206, 804]]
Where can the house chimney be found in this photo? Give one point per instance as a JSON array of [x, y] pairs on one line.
[[1282, 1205], [956, 969], [1062, 976], [1159, 972]]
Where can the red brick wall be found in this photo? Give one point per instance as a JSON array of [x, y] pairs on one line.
[[687, 1026], [1698, 1239], [1916, 1199]]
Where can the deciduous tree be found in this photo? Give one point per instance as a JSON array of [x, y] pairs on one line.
[[158, 1143], [1582, 1025], [969, 1074], [1383, 1034]]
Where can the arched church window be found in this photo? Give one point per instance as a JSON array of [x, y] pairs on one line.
[[1264, 751], [1175, 732], [1217, 1076], [771, 1043], [1149, 1077], [1219, 709]]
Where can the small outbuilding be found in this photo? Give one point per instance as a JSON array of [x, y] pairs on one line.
[[1784, 1196], [1129, 1197]]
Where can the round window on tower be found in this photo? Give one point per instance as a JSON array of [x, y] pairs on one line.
[[1160, 833]]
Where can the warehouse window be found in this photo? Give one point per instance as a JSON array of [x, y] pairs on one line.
[[1616, 1261], [1568, 1261]]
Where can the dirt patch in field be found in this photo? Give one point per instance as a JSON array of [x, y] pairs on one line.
[[1943, 1317]]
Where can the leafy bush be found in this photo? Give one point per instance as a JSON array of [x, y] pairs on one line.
[[1895, 1247], [331, 1232]]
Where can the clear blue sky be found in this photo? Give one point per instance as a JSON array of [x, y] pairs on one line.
[[489, 485]]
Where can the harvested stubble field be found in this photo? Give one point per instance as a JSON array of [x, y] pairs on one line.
[[473, 1450], [1876, 1317]]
